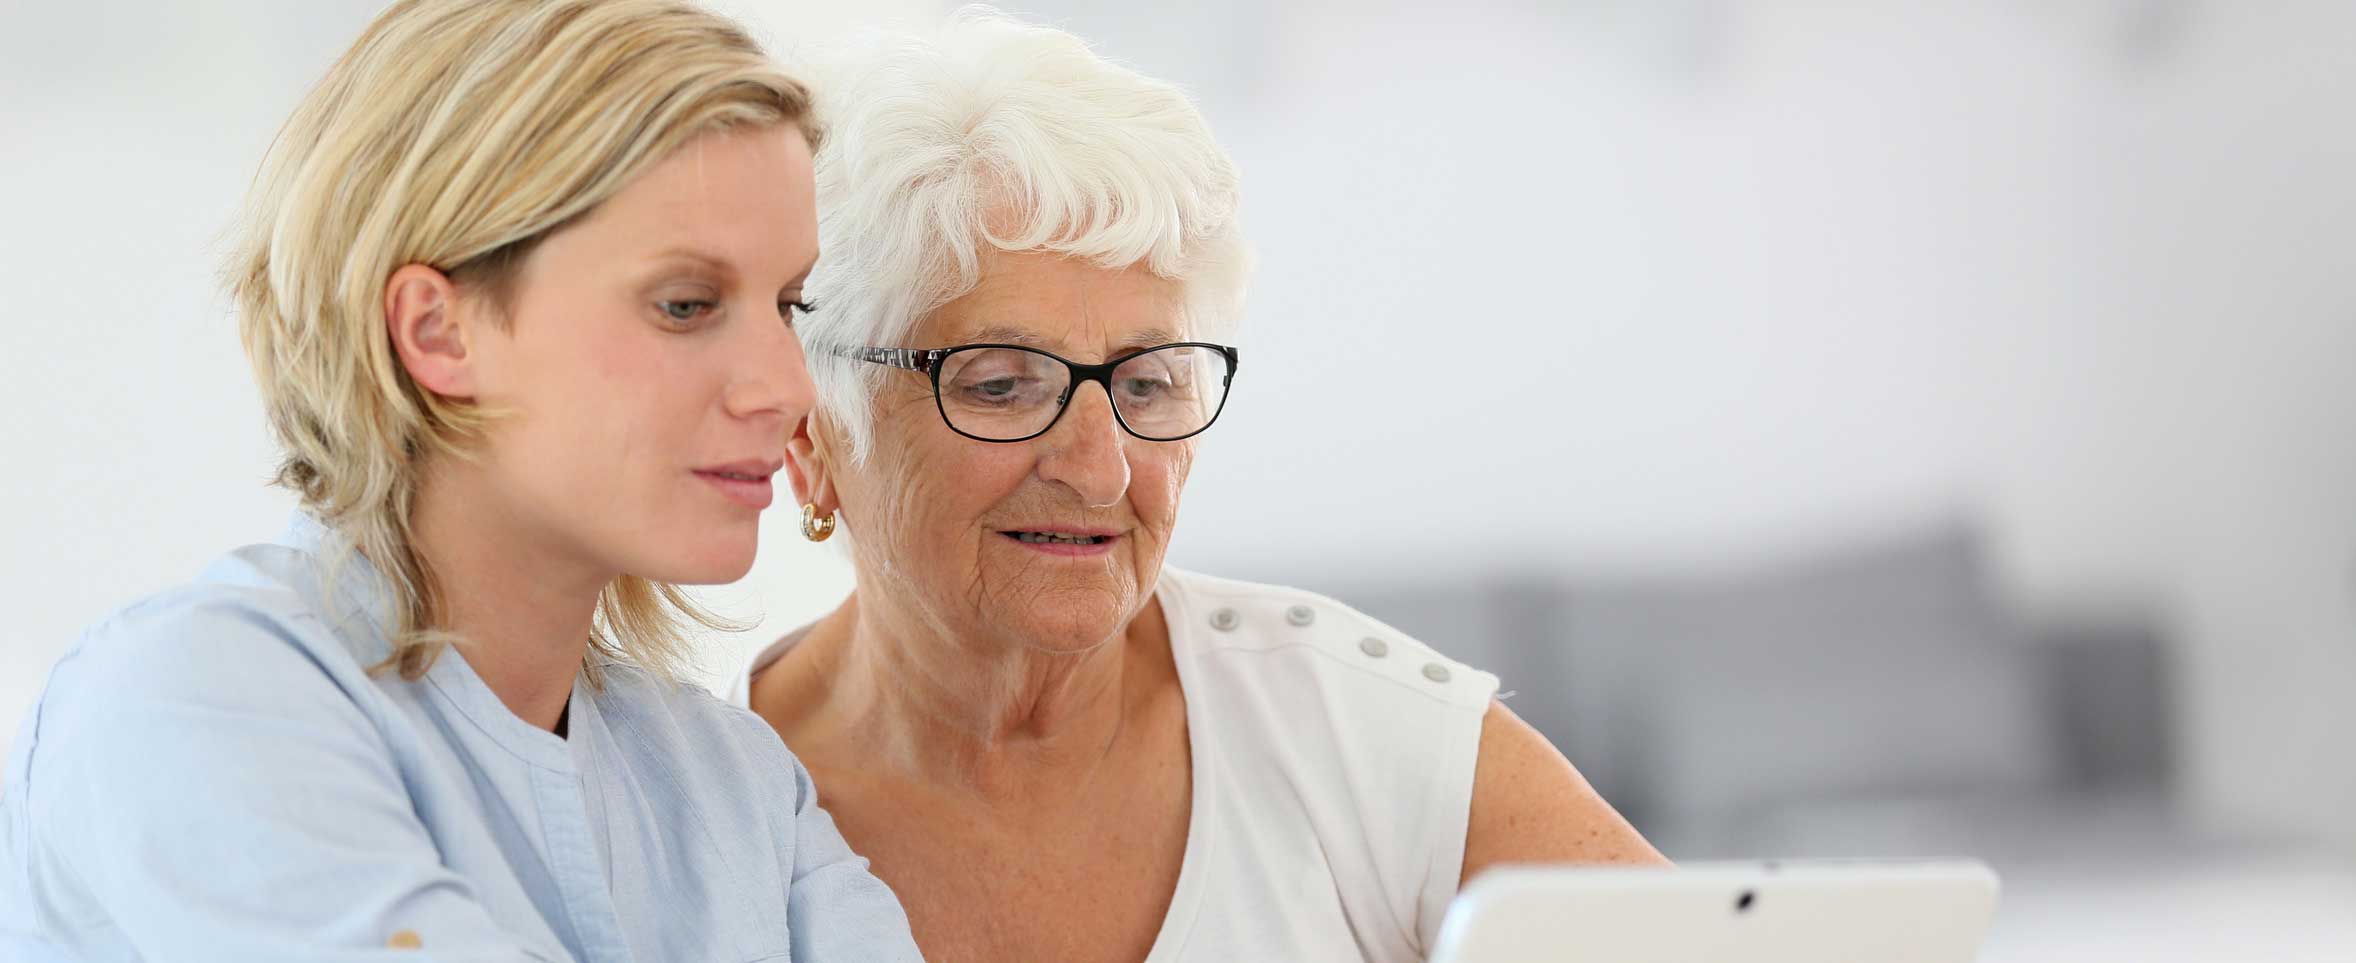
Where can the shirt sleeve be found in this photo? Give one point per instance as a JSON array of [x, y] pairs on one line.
[[838, 911], [215, 791], [1447, 804]]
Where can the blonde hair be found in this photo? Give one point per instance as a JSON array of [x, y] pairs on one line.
[[458, 134]]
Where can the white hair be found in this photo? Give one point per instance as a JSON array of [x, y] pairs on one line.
[[993, 131]]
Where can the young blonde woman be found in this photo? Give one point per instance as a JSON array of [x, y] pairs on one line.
[[518, 281]]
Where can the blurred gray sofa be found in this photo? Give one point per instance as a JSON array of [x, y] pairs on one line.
[[1879, 700]]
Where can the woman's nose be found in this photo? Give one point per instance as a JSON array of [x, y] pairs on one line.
[[770, 376], [1088, 451]]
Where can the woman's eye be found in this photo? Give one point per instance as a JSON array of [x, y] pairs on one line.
[[792, 310], [683, 312], [1146, 391], [1002, 390]]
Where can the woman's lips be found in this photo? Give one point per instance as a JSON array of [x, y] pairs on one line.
[[752, 492], [1062, 543]]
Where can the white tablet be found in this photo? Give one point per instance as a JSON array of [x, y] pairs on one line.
[[1723, 913]]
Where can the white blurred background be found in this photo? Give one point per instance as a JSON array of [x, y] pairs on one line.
[[1850, 428]]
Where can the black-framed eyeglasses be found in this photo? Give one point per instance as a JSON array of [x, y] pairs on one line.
[[1007, 392]]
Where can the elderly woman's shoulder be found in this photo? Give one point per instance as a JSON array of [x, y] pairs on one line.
[[1211, 613]]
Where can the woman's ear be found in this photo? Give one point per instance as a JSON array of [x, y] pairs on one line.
[[809, 463], [430, 331]]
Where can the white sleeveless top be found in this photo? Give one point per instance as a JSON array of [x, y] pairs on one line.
[[1333, 771]]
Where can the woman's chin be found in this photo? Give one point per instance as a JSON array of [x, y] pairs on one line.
[[717, 563], [1066, 631]]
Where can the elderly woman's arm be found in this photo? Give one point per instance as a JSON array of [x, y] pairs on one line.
[[1530, 806]]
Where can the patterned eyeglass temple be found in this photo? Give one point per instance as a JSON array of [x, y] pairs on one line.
[[912, 359]]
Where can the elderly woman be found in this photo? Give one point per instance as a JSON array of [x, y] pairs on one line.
[[1050, 745]]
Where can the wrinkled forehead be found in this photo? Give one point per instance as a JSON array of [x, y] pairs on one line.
[[1070, 306]]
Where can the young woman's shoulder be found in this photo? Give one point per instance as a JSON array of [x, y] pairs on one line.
[[706, 739], [259, 620], [214, 766]]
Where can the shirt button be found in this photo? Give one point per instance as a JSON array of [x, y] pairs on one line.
[[1374, 647], [405, 940], [1225, 620], [1435, 672], [1300, 615]]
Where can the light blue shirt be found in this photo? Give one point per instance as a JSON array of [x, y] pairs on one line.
[[213, 774]]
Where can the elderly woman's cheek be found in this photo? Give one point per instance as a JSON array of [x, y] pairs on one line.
[[1168, 485], [932, 517]]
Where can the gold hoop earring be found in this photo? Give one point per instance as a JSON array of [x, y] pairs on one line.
[[815, 527]]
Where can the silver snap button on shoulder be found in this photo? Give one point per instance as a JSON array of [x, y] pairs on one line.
[[1435, 672], [1300, 615], [1225, 620], [1374, 647]]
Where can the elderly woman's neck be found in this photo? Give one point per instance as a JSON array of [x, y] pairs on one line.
[[994, 714]]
